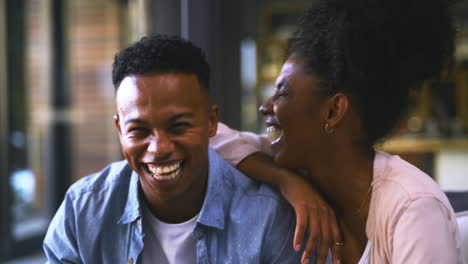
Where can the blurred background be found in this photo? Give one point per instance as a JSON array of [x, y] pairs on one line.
[[57, 98]]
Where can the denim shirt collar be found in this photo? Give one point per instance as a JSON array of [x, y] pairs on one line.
[[132, 210], [212, 212]]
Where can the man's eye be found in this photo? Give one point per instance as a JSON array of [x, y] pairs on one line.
[[179, 128], [137, 130]]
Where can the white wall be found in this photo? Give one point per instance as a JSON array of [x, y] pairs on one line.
[[451, 170]]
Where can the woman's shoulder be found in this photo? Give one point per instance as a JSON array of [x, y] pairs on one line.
[[397, 178], [407, 206], [399, 185]]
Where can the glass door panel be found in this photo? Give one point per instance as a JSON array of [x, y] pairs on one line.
[[28, 125]]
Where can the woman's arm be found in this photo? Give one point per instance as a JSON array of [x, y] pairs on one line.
[[234, 146], [313, 214]]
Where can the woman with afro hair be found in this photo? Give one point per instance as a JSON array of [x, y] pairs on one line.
[[345, 84]]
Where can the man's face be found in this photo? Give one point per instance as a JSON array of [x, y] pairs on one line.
[[164, 123]]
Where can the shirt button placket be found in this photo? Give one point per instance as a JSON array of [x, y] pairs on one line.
[[135, 243]]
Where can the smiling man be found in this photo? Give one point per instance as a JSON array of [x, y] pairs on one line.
[[173, 200], [164, 123]]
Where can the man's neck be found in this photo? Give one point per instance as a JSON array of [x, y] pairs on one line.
[[181, 208], [175, 211]]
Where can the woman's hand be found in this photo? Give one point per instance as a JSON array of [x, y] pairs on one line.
[[313, 214]]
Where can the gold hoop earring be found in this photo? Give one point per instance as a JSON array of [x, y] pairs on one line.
[[328, 130]]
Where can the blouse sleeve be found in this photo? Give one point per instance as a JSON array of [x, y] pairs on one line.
[[234, 145], [426, 232]]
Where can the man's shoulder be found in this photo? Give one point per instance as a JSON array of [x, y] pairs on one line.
[[252, 210], [243, 188], [111, 176], [89, 215]]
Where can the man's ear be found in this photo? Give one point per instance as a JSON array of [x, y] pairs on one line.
[[213, 120], [117, 123], [335, 109]]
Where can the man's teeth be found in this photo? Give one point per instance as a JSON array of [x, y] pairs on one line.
[[158, 170], [166, 177], [274, 133]]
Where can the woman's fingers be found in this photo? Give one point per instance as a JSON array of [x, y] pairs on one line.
[[337, 239], [301, 226], [323, 231], [313, 222], [325, 238]]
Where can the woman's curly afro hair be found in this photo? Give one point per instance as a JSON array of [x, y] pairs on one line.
[[375, 51]]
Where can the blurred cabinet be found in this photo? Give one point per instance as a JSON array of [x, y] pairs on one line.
[[434, 134]]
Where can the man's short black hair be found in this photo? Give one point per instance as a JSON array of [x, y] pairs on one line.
[[375, 51], [161, 54]]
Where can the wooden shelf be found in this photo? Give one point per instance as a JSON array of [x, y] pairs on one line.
[[419, 145]]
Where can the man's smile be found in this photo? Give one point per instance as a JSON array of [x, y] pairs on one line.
[[164, 172]]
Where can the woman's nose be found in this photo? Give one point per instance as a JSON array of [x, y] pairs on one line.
[[266, 107]]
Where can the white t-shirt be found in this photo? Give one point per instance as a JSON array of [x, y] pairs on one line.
[[168, 243], [365, 258]]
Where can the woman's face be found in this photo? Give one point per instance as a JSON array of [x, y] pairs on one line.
[[296, 116]]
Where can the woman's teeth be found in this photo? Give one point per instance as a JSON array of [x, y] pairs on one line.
[[274, 133], [164, 172]]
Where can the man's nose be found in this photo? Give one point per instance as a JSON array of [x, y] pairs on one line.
[[266, 107], [160, 145]]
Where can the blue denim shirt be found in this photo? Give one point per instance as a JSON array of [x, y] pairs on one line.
[[241, 221]]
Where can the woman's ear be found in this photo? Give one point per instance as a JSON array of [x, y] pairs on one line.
[[337, 107]]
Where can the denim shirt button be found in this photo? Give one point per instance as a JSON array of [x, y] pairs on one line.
[[130, 260]]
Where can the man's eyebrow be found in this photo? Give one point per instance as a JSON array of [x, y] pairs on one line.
[[173, 118], [135, 120], [182, 115]]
